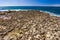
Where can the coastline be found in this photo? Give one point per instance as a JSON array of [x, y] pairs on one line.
[[50, 13]]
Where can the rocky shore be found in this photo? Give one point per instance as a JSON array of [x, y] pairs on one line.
[[29, 25]]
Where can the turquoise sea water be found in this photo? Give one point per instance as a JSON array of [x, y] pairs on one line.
[[51, 10]]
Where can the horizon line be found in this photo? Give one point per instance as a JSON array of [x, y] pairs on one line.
[[31, 5]]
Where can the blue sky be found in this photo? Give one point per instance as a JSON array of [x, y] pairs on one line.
[[29, 2]]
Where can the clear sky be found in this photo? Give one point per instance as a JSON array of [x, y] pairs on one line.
[[29, 2]]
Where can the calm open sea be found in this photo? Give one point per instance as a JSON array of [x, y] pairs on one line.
[[47, 9]]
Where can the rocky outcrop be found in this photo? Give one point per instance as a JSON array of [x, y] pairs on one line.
[[29, 25]]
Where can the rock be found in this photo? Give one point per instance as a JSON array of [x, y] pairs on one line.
[[5, 17], [29, 25]]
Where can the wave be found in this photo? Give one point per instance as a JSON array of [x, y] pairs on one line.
[[52, 14], [14, 10]]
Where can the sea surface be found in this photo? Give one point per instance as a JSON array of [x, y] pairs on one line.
[[47, 9]]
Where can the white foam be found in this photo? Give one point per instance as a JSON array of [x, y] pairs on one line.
[[52, 14], [14, 10], [3, 10]]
